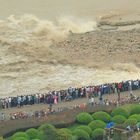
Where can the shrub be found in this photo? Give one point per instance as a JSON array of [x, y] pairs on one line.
[[20, 138], [62, 135], [85, 128], [101, 115], [41, 135], [135, 110], [51, 133], [66, 130], [118, 119], [20, 134], [130, 122], [81, 134], [120, 111], [135, 116], [73, 138], [96, 124], [45, 126], [97, 134], [32, 133], [84, 118]]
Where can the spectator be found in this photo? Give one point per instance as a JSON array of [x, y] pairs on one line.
[[70, 94]]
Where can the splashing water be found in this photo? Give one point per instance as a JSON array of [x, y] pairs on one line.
[[28, 27]]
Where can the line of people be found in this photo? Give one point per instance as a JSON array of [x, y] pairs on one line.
[[43, 113], [54, 97]]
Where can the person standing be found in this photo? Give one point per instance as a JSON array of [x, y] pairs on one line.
[[18, 101], [130, 88], [92, 101], [3, 116], [100, 98], [55, 99], [76, 93], [1, 104], [89, 101], [59, 97]]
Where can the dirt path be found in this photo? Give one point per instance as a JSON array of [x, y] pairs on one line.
[[66, 104], [13, 125]]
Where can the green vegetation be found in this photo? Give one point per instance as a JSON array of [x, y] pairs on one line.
[[20, 135], [96, 124], [74, 126], [66, 130], [87, 127], [128, 110], [20, 138], [81, 134], [135, 116], [118, 119], [97, 134], [135, 110], [84, 118], [45, 126], [120, 111], [41, 135], [32, 133], [131, 122], [101, 115]]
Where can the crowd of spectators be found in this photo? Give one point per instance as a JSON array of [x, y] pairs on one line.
[[71, 93], [44, 113]]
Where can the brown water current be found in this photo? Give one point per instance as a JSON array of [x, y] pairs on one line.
[[45, 44]]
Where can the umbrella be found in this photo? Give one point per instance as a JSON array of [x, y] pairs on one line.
[[110, 125]]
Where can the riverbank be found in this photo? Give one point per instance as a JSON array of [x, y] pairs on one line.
[[8, 126]]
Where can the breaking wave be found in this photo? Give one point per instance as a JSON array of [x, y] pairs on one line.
[[28, 28], [29, 65]]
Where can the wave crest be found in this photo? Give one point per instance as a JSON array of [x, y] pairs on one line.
[[28, 28]]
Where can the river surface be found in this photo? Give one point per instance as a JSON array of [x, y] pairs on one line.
[[53, 9], [29, 27]]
